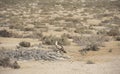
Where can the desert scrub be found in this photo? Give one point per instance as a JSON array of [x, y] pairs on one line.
[[6, 62], [83, 30], [50, 40], [102, 32], [117, 38], [24, 44], [5, 33], [114, 31], [17, 26], [88, 40], [37, 34], [91, 47]]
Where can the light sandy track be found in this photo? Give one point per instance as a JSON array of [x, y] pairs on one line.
[[65, 67]]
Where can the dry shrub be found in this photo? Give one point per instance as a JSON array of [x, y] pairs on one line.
[[83, 30], [17, 26], [5, 33], [6, 62], [114, 32], [50, 40], [92, 47], [88, 40], [28, 29], [37, 34], [117, 38], [25, 44], [15, 65], [102, 32], [30, 54]]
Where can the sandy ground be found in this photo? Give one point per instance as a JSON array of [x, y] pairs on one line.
[[65, 67]]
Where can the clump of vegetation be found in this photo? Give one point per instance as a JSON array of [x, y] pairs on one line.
[[93, 47], [15, 65], [5, 33], [25, 44], [102, 32], [117, 38], [88, 40], [50, 40], [17, 26], [82, 30], [37, 34], [90, 62], [114, 32], [28, 29], [6, 62]]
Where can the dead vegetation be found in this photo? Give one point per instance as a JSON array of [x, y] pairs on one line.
[[50, 40], [5, 33], [25, 44], [114, 31], [28, 54], [6, 62]]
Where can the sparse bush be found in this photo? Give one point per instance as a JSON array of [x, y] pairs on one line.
[[24, 44], [117, 38], [83, 30], [88, 40], [37, 34], [102, 32], [5, 33], [28, 54], [28, 29], [17, 26], [114, 32], [15, 65], [50, 40], [6, 62], [92, 47]]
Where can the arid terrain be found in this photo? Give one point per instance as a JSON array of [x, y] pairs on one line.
[[59, 37]]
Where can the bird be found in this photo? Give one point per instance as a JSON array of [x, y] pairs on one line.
[[60, 47]]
